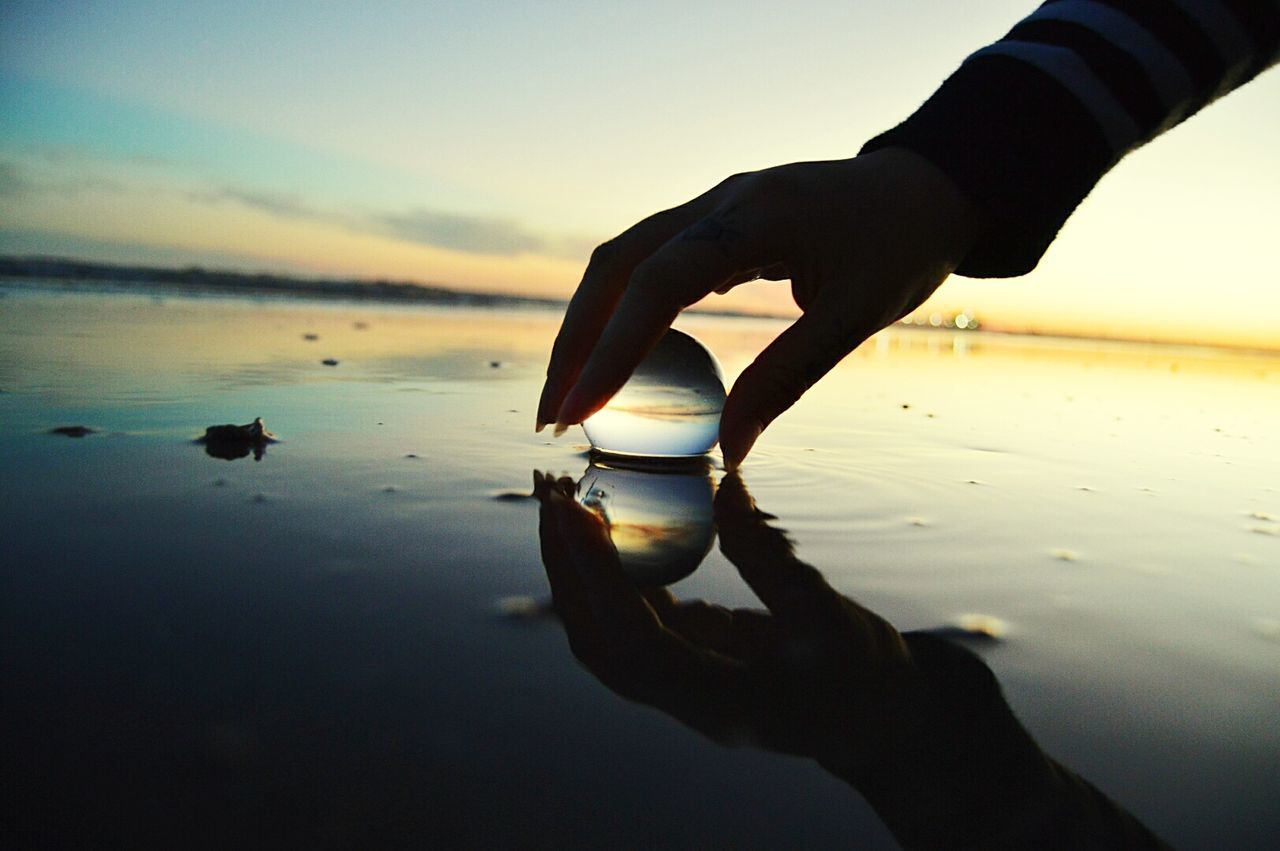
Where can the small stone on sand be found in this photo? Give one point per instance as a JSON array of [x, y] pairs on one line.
[[521, 607], [230, 442], [73, 431]]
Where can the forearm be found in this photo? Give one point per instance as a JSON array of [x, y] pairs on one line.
[[1029, 124], [956, 769]]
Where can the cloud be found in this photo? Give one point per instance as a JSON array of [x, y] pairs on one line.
[[61, 172], [11, 180], [473, 234], [487, 235], [278, 204], [19, 179]]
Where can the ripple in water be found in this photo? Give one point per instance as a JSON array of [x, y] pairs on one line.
[[670, 408]]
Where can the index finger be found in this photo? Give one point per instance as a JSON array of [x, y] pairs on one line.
[[602, 286], [699, 260]]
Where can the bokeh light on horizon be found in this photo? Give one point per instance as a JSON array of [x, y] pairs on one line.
[[489, 146]]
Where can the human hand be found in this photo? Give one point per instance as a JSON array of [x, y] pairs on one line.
[[864, 242], [816, 675], [915, 722]]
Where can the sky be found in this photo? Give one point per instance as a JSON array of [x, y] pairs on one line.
[[491, 145]]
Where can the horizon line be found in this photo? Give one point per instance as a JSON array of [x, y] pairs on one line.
[[198, 277]]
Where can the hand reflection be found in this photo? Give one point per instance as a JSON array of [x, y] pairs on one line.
[[915, 722]]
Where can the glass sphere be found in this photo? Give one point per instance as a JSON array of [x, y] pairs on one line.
[[669, 408], [660, 518]]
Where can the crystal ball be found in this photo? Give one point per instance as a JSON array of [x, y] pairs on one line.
[[660, 518], [669, 408]]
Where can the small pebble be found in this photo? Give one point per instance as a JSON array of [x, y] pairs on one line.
[[329, 362], [311, 337], [518, 607], [987, 626], [1064, 554], [73, 431], [510, 496]]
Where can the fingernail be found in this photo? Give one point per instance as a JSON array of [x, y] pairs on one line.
[[560, 429], [733, 455]]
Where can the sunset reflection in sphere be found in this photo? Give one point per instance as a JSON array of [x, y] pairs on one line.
[[669, 408]]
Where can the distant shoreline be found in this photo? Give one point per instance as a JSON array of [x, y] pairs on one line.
[[197, 279]]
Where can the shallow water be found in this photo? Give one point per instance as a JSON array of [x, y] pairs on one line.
[[346, 641]]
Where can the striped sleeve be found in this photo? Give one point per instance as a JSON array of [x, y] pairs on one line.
[[1026, 126]]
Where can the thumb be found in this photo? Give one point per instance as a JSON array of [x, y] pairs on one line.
[[781, 374]]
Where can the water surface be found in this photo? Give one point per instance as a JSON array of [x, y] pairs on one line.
[[346, 641]]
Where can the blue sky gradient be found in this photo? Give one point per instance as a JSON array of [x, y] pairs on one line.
[[490, 145]]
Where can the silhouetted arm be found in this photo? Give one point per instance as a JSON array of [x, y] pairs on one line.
[[916, 724], [978, 180], [1029, 124], [969, 775]]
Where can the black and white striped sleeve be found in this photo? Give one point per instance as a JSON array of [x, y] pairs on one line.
[[1029, 124]]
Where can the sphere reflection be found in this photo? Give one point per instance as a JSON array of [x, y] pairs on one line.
[[659, 517], [669, 408]]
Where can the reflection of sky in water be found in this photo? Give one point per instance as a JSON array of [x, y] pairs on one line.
[[660, 519], [343, 632]]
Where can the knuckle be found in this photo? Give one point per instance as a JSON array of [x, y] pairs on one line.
[[783, 385], [652, 280], [605, 254], [735, 180], [773, 186]]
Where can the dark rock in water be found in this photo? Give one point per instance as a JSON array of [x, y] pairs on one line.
[[511, 496], [974, 628], [73, 431], [230, 442], [329, 362], [961, 635]]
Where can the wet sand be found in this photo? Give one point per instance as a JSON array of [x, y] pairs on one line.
[[323, 643]]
